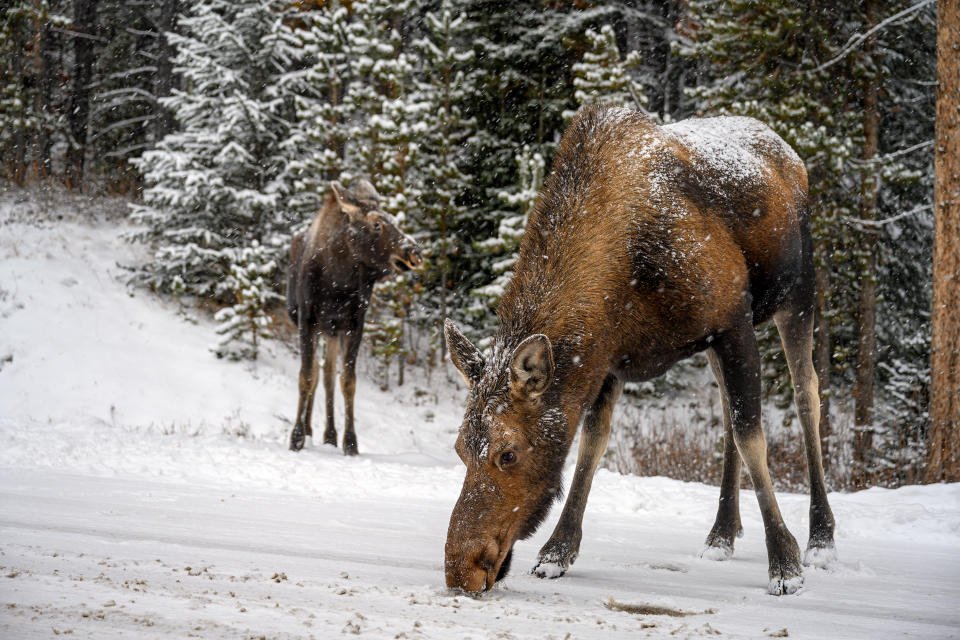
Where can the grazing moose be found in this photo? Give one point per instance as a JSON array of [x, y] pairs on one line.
[[647, 244], [333, 266]]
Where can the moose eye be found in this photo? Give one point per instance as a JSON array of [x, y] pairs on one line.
[[376, 227], [507, 458]]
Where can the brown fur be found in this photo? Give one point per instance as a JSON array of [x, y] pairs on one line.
[[640, 251], [333, 267]]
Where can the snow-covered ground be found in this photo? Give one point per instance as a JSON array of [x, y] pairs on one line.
[[146, 491]]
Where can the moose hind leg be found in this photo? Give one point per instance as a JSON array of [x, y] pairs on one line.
[[562, 548], [727, 526], [348, 384], [307, 386], [329, 388], [739, 361], [796, 335]]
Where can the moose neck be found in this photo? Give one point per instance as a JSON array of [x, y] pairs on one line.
[[340, 267]]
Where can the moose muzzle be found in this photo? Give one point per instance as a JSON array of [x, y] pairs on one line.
[[475, 565], [479, 543], [408, 257]]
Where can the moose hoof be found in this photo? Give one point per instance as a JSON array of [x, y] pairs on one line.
[[820, 555], [549, 570], [719, 544], [783, 586], [717, 552], [554, 560], [350, 446], [786, 573], [296, 440]]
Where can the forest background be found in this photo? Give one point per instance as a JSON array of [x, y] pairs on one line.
[[224, 121]]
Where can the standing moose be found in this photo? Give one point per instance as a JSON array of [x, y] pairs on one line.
[[647, 244], [333, 266]]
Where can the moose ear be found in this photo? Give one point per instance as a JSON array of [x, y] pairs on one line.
[[345, 200], [465, 357], [366, 191], [532, 365]]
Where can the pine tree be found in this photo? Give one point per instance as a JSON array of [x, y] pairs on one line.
[[442, 133], [30, 108], [316, 144], [243, 324], [513, 222], [133, 68], [799, 70], [382, 146], [215, 185], [603, 76], [759, 57]]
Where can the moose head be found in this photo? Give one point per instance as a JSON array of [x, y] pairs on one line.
[[373, 237], [513, 442]]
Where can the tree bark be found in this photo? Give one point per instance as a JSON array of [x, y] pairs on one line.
[[867, 317], [821, 362], [78, 114], [44, 64], [163, 85], [943, 458]]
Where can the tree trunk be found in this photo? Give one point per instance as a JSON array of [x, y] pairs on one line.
[[44, 65], [943, 459], [866, 329], [163, 85], [821, 362], [84, 15]]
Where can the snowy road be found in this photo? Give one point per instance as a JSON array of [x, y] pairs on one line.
[[146, 491], [111, 556]]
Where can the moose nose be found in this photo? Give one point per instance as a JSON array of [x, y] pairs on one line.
[[472, 566], [414, 257]]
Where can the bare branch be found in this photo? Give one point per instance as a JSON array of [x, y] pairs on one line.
[[856, 40], [895, 154], [876, 224]]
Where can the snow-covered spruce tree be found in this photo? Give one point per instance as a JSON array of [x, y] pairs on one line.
[[30, 39], [905, 62], [442, 135], [315, 146], [807, 72], [516, 89], [18, 120], [759, 57], [132, 69], [213, 186], [604, 76], [242, 325], [381, 144], [520, 201]]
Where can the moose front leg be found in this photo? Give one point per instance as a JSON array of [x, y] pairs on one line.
[[348, 384], [562, 548], [726, 527], [739, 361]]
